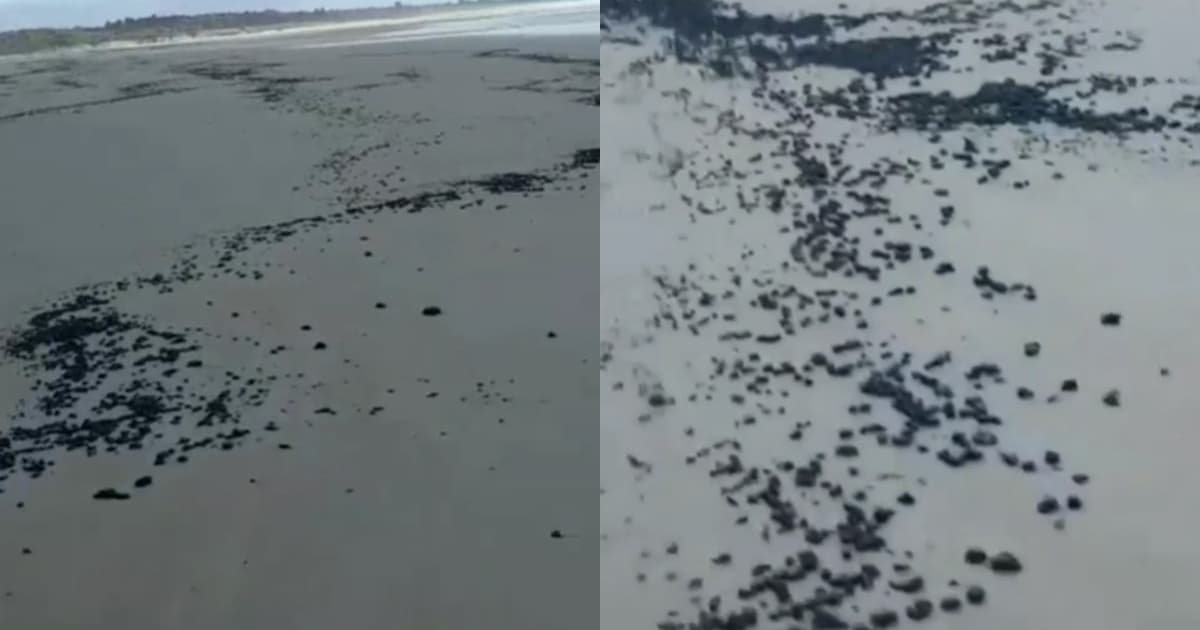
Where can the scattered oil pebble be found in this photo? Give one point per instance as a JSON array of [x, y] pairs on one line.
[[919, 610], [910, 585], [1005, 563], [884, 618]]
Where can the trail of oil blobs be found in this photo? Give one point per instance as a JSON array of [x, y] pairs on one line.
[[838, 229], [107, 381]]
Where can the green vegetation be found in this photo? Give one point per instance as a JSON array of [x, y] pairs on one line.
[[161, 27], [34, 40]]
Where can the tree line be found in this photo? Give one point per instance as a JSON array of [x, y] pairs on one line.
[[159, 27]]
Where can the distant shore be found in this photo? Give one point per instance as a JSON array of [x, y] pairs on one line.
[[187, 29]]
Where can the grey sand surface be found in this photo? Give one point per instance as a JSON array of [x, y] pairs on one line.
[[428, 459]]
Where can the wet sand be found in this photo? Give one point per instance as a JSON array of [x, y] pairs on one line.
[[318, 365], [743, 482]]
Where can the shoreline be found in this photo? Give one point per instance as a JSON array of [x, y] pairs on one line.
[[425, 17]]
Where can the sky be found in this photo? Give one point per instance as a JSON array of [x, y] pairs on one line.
[[15, 14]]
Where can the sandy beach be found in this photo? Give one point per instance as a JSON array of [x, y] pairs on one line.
[[300, 337], [817, 410]]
